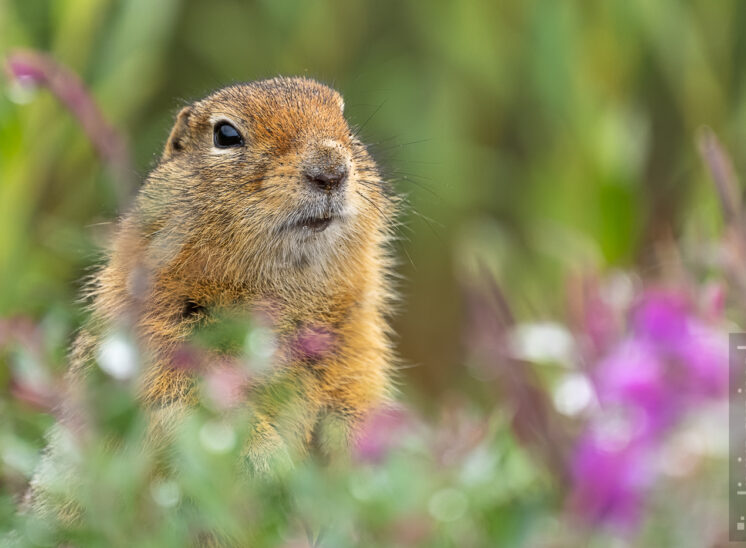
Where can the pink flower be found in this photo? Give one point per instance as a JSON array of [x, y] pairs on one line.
[[633, 375], [698, 353], [314, 342], [226, 384], [609, 482], [381, 431], [669, 362]]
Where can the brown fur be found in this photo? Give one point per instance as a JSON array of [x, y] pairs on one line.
[[212, 229]]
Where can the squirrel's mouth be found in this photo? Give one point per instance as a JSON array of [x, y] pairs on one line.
[[314, 224]]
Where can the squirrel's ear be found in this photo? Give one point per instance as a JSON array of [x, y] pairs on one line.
[[179, 134]]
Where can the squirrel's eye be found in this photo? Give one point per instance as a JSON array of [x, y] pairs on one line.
[[227, 136]]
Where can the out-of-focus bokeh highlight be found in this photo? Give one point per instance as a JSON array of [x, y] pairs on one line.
[[572, 258]]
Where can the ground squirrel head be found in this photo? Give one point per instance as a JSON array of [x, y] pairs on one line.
[[266, 173]]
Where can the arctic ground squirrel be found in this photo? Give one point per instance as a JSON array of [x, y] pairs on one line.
[[265, 201]]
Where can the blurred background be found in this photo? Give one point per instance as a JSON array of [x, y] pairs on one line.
[[544, 146]]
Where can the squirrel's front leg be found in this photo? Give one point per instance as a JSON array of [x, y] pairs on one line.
[[285, 409]]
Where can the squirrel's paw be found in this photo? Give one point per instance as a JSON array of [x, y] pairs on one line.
[[266, 453]]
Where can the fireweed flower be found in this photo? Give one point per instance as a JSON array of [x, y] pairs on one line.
[[697, 351], [313, 342], [669, 362], [380, 433], [32, 68], [609, 481]]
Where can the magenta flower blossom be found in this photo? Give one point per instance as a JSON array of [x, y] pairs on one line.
[[669, 362], [380, 433], [226, 385], [661, 317], [313, 342], [33, 68], [633, 375], [696, 352], [610, 480]]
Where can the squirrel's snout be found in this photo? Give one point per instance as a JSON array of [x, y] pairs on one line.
[[327, 167], [330, 178]]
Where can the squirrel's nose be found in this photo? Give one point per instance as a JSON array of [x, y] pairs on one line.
[[327, 177]]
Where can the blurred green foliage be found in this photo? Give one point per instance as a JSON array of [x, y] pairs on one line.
[[539, 137], [195, 488]]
